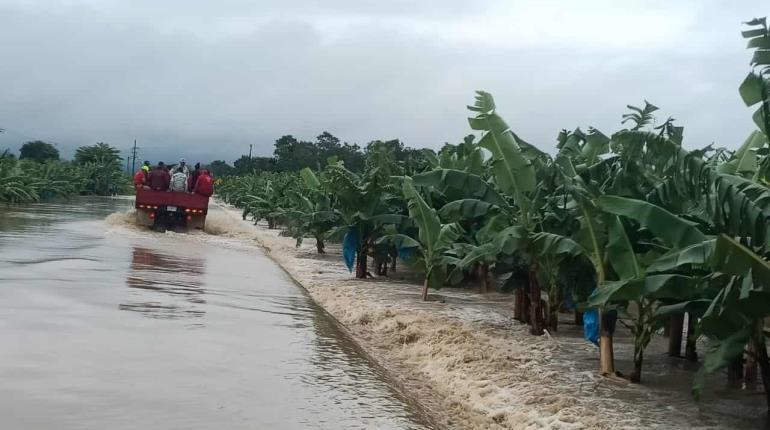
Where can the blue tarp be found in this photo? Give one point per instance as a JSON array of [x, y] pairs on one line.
[[591, 326], [349, 247]]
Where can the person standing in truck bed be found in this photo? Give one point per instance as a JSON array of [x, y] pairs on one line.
[[204, 184], [194, 176], [140, 178], [159, 179], [179, 180]]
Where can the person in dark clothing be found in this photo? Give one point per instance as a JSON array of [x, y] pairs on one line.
[[194, 176], [159, 179]]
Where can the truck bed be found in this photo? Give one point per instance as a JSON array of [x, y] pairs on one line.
[[171, 198], [170, 209]]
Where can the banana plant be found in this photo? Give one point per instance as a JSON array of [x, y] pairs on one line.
[[434, 239], [755, 89], [366, 203], [466, 156], [513, 167], [476, 205], [312, 213], [629, 259], [15, 186]]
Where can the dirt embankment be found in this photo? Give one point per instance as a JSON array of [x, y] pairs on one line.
[[463, 358]]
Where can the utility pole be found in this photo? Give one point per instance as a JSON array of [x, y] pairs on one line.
[[128, 158], [250, 145], [133, 157]]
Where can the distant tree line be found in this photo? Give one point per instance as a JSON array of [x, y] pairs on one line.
[[291, 154]]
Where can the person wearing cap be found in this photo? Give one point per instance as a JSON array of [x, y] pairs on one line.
[[140, 178], [183, 166]]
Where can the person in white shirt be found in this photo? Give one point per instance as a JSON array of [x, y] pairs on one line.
[[178, 180]]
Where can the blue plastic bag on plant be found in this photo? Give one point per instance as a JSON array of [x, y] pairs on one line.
[[406, 254], [349, 246], [591, 326]]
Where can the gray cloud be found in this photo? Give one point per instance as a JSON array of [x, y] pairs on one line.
[[205, 79]]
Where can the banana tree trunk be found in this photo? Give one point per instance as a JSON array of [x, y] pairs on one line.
[[361, 263], [518, 304], [527, 303], [636, 375], [319, 245], [764, 365], [552, 314], [735, 372], [552, 307], [535, 303], [606, 350], [690, 349], [676, 325], [750, 367], [578, 318], [425, 290], [484, 277], [752, 355]]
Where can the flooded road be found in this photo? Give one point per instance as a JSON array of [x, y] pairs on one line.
[[104, 326]]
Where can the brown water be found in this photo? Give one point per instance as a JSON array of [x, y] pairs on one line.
[[104, 326]]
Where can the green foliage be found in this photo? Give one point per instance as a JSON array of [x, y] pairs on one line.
[[99, 152], [629, 221], [38, 151], [434, 239], [24, 181], [514, 173], [755, 89], [102, 169]]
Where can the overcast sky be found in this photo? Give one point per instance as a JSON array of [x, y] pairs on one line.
[[206, 79]]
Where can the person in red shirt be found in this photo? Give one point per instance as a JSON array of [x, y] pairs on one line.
[[204, 185], [159, 179], [140, 178]]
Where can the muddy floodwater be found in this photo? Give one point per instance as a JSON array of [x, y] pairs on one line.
[[107, 326]]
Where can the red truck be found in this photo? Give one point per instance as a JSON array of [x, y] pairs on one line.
[[169, 209]]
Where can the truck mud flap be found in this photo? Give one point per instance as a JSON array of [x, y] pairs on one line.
[[143, 218]]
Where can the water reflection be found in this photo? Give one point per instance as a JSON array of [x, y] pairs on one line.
[[169, 286]]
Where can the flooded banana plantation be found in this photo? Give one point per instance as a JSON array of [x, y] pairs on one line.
[[503, 273]]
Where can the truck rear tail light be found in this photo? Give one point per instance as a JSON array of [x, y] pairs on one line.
[[189, 218], [152, 215]]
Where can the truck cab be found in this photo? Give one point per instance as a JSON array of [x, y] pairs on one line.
[[161, 210]]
